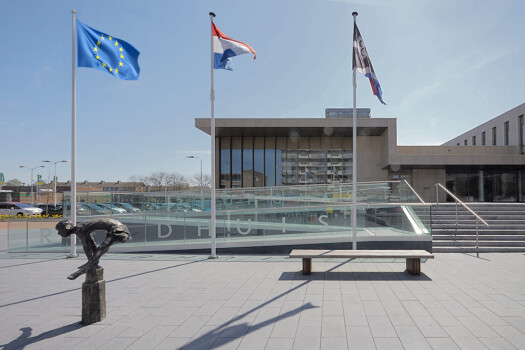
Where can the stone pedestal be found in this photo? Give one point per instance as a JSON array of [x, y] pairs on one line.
[[94, 297]]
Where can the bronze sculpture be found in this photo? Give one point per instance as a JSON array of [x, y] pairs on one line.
[[115, 232], [94, 287]]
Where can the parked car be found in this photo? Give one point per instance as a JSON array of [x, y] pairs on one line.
[[128, 207], [96, 210], [50, 209], [112, 208], [19, 209]]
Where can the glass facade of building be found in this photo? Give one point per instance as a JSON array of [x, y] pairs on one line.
[[487, 185], [281, 161]]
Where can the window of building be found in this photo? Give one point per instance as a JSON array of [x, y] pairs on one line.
[[247, 162], [259, 180], [465, 142], [225, 181], [521, 134], [483, 138], [494, 136], [506, 139], [269, 161], [236, 178], [473, 140]]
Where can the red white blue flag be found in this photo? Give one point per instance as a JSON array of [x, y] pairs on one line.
[[224, 48], [361, 61]]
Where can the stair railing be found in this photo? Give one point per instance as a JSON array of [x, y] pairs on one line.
[[478, 218]]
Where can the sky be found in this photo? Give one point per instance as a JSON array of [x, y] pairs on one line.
[[444, 67]]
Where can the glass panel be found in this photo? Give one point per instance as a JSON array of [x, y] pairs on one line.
[[225, 179], [494, 136], [280, 161], [258, 162], [247, 162], [236, 162], [269, 161], [483, 138]]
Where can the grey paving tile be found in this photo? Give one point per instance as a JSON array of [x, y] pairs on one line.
[[332, 308], [381, 327], [512, 335], [171, 343], [333, 326], [443, 343], [359, 337], [307, 337], [388, 344], [399, 316], [334, 343], [429, 327], [411, 338], [463, 338], [497, 343], [279, 344]]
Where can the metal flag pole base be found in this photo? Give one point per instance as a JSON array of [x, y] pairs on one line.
[[70, 256], [213, 257]]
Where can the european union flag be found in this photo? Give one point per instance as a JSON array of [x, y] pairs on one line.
[[104, 52]]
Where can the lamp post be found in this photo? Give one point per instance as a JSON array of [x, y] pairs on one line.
[[23, 166], [55, 178], [199, 158]]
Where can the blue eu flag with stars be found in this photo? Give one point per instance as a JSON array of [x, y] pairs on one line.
[[102, 51]]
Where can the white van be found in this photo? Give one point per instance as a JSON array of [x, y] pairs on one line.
[[14, 208]]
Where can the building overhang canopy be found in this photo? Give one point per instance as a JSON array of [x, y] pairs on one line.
[[298, 127]]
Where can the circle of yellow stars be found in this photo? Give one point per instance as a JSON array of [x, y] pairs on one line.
[[121, 54]]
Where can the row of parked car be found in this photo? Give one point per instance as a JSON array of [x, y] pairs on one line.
[[106, 208]]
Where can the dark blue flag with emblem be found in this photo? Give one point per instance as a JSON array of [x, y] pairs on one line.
[[107, 53]]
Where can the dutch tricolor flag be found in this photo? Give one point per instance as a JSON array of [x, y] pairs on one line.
[[224, 48]]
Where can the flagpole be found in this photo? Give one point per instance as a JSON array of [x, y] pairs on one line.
[[354, 150], [73, 199], [212, 133]]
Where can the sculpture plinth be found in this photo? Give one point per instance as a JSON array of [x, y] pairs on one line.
[[94, 297]]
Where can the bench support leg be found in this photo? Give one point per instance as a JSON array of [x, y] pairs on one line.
[[414, 266], [307, 266]]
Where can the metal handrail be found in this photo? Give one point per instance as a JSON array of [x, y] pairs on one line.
[[463, 204], [417, 195]]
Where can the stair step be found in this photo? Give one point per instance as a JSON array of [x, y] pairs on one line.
[[481, 237], [472, 243], [480, 250]]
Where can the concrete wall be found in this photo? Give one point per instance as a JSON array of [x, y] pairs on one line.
[[498, 122], [423, 181], [370, 158]]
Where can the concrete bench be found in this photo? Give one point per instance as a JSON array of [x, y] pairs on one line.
[[413, 257]]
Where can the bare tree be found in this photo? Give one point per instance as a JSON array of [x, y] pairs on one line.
[[161, 181], [195, 181]]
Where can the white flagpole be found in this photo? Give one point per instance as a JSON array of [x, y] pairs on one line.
[[354, 152], [73, 199], [212, 133]]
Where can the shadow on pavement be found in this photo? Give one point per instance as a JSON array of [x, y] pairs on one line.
[[236, 331], [356, 276], [108, 281], [25, 338]]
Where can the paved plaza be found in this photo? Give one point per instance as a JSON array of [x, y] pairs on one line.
[[159, 301]]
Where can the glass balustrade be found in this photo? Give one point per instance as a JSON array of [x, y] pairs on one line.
[[246, 217]]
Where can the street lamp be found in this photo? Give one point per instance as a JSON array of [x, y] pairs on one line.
[[55, 177], [199, 158], [23, 166]]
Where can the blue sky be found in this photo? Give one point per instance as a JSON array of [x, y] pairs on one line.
[[444, 67]]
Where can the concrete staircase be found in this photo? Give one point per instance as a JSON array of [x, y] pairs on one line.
[[505, 233]]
